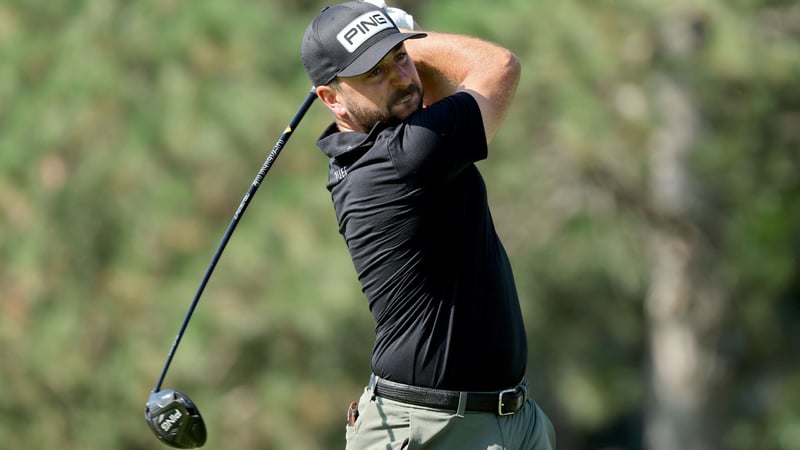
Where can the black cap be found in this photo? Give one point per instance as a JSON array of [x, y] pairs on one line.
[[349, 39]]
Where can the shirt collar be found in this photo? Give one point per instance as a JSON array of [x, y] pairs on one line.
[[335, 143]]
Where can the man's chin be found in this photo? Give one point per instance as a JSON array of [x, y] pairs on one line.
[[403, 111], [394, 117]]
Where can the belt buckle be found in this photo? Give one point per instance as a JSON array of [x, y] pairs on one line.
[[500, 402]]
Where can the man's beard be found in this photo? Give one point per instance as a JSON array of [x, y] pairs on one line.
[[367, 117]]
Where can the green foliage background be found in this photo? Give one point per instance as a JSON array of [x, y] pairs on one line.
[[129, 130]]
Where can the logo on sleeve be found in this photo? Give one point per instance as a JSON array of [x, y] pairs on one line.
[[362, 28]]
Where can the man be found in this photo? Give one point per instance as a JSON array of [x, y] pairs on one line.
[[413, 112]]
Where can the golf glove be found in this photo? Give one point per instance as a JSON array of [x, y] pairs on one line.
[[401, 18]]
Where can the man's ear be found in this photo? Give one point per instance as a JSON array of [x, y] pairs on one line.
[[330, 97]]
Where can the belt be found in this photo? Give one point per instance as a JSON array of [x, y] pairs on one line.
[[502, 403]]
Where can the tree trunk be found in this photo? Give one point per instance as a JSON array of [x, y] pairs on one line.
[[685, 303]]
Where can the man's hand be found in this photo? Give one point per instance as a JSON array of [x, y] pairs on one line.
[[401, 18]]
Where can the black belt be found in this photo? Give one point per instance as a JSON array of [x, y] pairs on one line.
[[502, 403]]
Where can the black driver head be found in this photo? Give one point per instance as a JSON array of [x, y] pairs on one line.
[[174, 419]]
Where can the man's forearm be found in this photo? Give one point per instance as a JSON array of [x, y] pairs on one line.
[[439, 70], [449, 62]]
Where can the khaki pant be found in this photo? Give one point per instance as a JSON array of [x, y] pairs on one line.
[[387, 424]]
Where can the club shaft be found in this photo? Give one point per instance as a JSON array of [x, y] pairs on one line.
[[273, 155]]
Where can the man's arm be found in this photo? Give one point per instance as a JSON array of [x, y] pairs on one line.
[[448, 63]]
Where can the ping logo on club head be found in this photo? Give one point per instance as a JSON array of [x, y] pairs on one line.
[[362, 28], [171, 420]]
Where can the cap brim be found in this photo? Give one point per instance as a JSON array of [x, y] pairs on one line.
[[373, 55]]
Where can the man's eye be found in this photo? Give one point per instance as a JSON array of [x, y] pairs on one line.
[[401, 56], [375, 72]]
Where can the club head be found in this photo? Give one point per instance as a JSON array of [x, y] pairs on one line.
[[174, 419]]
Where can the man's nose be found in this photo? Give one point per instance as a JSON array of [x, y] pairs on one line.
[[400, 76]]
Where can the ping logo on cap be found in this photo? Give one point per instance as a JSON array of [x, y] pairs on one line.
[[362, 28]]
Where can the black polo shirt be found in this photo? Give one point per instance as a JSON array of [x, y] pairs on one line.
[[412, 208]]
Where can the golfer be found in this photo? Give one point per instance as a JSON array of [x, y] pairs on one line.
[[413, 112]]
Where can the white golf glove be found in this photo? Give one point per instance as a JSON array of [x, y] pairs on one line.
[[401, 18]]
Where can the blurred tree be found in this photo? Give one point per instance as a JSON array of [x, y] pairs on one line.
[[645, 184], [686, 303]]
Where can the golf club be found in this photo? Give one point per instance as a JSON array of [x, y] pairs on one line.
[[171, 415]]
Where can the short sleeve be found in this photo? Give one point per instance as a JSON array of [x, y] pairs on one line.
[[439, 141]]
